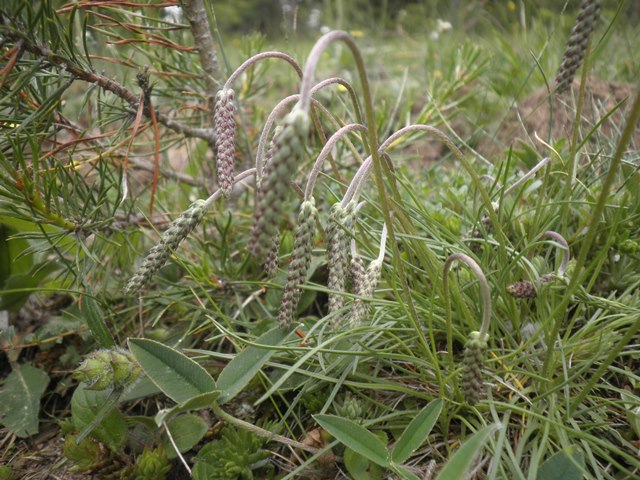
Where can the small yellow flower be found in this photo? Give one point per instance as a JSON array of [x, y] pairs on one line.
[[357, 33], [511, 6], [342, 89], [437, 74]]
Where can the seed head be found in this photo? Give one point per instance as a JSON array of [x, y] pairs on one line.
[[225, 127], [180, 229], [300, 262], [104, 369], [522, 289], [271, 258]]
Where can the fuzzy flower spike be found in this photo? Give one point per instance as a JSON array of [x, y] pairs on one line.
[[577, 44], [225, 122], [365, 281], [179, 229], [299, 265], [477, 343], [288, 151], [225, 126]]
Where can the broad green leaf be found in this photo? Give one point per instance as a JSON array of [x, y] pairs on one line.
[[357, 438], [357, 465], [87, 407], [458, 465], [142, 388], [11, 260], [20, 399], [416, 432], [186, 430], [567, 464], [19, 286], [95, 319], [179, 377], [239, 371]]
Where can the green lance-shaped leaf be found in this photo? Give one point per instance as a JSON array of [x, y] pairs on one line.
[[458, 466], [179, 377], [239, 371], [95, 413], [565, 465], [94, 317], [357, 438], [20, 399], [416, 432]]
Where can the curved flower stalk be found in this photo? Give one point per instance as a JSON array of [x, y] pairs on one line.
[[281, 107], [578, 43], [358, 181], [366, 281], [225, 122], [179, 229], [476, 346], [324, 153], [300, 262], [528, 289]]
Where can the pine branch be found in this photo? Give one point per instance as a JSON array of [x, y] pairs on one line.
[[107, 84]]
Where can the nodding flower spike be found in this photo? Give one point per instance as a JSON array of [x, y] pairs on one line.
[[472, 366], [288, 152], [225, 127], [341, 222], [299, 265], [180, 229], [577, 44], [368, 285], [476, 346]]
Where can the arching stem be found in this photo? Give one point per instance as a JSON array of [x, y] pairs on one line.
[[486, 297]]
